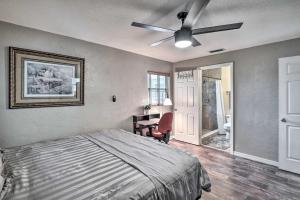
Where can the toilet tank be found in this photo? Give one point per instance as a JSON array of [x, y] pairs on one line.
[[228, 118]]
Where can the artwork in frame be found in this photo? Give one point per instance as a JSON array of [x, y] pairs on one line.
[[41, 79]]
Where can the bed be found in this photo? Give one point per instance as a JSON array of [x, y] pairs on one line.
[[108, 164]]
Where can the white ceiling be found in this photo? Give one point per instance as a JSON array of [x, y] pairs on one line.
[[108, 22]]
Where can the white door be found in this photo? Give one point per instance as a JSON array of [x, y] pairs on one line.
[[289, 114], [186, 107]]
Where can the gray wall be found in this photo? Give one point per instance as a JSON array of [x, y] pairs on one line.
[[108, 71], [256, 94]]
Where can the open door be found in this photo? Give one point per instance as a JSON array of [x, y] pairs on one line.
[[186, 101], [289, 114]]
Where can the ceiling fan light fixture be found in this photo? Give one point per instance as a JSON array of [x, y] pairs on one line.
[[183, 43], [183, 38]]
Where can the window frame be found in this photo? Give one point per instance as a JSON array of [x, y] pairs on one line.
[[167, 76]]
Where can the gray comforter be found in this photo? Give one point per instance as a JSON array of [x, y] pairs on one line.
[[109, 164]]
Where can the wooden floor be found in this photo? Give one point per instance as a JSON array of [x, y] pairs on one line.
[[237, 178]]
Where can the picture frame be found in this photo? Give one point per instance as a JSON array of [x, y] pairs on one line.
[[42, 79]]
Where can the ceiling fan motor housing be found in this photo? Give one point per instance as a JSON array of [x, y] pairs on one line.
[[184, 34]]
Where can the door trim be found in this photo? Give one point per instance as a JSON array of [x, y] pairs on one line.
[[232, 96], [199, 102]]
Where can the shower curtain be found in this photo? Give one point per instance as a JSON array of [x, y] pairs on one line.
[[220, 107]]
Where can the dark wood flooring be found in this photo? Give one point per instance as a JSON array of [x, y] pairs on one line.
[[237, 178]]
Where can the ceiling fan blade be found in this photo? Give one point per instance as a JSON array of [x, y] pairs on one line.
[[161, 41], [151, 27], [195, 42], [217, 28], [194, 13]]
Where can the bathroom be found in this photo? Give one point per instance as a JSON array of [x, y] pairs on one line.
[[216, 107]]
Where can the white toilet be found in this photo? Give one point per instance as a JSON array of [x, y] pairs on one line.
[[227, 126]]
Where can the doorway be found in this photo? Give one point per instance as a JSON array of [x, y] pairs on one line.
[[216, 106]]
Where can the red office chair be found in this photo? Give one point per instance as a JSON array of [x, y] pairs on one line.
[[164, 128]]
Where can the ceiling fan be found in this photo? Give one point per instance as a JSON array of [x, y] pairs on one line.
[[184, 37]]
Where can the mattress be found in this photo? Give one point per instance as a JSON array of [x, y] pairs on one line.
[[109, 164]]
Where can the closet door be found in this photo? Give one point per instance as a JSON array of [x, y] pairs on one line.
[[186, 107], [289, 114]]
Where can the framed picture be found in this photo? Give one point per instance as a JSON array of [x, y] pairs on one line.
[[40, 79]]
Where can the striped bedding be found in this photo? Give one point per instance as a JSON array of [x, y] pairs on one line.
[[78, 168]]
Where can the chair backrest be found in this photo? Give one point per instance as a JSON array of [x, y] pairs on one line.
[[165, 123]]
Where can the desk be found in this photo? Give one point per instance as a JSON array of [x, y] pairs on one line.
[[144, 121], [147, 124]]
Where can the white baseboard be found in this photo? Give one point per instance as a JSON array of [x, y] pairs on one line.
[[256, 158]]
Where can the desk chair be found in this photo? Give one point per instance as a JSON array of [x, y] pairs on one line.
[[164, 128]]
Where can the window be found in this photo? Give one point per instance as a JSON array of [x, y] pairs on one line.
[[158, 87]]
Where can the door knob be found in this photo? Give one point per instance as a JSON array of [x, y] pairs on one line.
[[175, 109], [283, 120]]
